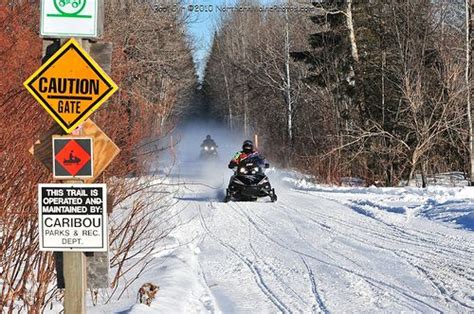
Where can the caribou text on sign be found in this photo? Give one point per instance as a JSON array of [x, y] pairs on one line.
[[72, 217]]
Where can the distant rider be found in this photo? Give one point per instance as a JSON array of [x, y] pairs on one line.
[[209, 142], [248, 151]]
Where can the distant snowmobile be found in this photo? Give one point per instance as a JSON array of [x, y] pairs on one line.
[[249, 182], [208, 149], [208, 152]]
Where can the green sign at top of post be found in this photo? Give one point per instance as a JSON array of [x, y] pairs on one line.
[[71, 18]]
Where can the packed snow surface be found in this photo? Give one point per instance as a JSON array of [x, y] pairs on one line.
[[318, 249]]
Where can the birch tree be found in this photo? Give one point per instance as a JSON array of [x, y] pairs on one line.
[[469, 4]]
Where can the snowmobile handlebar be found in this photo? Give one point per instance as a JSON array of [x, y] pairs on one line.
[[232, 165]]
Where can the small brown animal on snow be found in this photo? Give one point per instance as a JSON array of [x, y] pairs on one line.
[[147, 293]]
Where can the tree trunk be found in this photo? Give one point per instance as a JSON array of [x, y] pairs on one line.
[[246, 118], [469, 28], [245, 92], [410, 176], [352, 38], [229, 105], [288, 82], [424, 182], [414, 163]]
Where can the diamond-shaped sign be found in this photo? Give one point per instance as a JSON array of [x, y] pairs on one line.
[[103, 148], [70, 86], [72, 157]]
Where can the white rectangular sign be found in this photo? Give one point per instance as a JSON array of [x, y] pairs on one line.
[[70, 18], [73, 217]]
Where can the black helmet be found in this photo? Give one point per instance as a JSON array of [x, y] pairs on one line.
[[208, 137], [247, 146]]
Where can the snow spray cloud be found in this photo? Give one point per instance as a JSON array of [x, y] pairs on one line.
[[185, 156]]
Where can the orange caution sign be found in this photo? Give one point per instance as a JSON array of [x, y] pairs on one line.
[[70, 86]]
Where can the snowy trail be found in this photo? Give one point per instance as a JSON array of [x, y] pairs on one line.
[[318, 249], [326, 251]]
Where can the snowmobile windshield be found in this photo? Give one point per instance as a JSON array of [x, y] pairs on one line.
[[255, 159]]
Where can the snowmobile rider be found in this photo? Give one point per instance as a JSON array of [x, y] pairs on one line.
[[248, 151], [209, 142]]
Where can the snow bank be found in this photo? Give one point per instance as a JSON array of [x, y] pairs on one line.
[[175, 269], [181, 284], [441, 203]]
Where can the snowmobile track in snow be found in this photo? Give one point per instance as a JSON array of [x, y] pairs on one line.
[[371, 281], [392, 291], [319, 302], [422, 264], [319, 306], [254, 269]]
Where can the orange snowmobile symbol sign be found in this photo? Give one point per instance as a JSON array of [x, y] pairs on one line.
[[70, 86], [73, 157]]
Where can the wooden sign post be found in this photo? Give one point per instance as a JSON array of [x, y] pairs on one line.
[[75, 278]]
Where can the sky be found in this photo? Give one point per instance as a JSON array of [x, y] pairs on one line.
[[201, 28], [202, 24]]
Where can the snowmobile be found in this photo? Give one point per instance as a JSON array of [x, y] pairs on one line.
[[72, 159], [208, 152], [249, 182]]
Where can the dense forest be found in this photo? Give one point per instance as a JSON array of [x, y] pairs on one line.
[[373, 89]]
